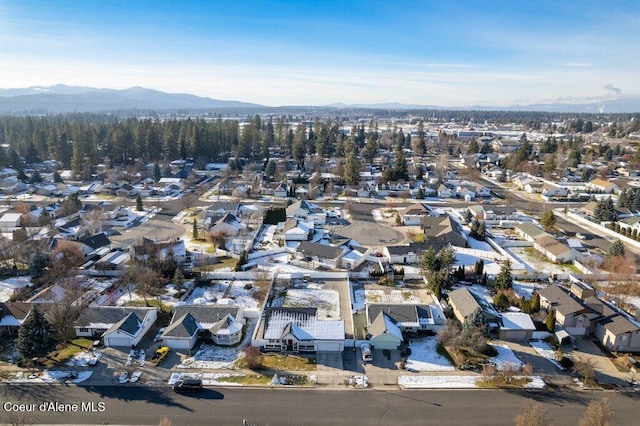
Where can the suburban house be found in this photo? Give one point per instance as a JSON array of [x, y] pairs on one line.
[[228, 224], [464, 302], [618, 333], [10, 221], [320, 254], [443, 230], [516, 326], [553, 249], [571, 312], [550, 191], [118, 326], [285, 329], [406, 254], [92, 243], [602, 186], [528, 231], [409, 318], [505, 145], [412, 214], [384, 333], [12, 315], [221, 324], [308, 211], [294, 229]]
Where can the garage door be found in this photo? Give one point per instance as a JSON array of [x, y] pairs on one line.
[[329, 347], [176, 343], [117, 341]]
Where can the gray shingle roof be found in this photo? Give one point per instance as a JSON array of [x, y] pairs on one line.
[[399, 312], [618, 324], [205, 314], [308, 248], [562, 301], [184, 326], [108, 314], [129, 324], [464, 301]]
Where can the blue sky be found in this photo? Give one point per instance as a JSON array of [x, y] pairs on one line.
[[449, 53]]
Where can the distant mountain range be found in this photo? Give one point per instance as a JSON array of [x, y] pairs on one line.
[[62, 98]]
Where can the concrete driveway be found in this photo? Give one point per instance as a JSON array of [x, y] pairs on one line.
[[606, 372]]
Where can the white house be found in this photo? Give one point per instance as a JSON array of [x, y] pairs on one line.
[[305, 210], [118, 326], [10, 221], [221, 324]]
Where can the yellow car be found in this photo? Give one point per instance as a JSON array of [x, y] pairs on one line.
[[160, 354]]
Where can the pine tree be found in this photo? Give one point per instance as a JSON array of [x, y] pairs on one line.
[[548, 220], [56, 177], [139, 206], [195, 229], [352, 169], [35, 337], [535, 302], [504, 279], [157, 173], [420, 194], [550, 321], [616, 249]]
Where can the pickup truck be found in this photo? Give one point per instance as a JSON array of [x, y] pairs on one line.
[[159, 355]]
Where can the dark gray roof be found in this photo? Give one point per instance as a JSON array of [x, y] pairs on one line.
[[184, 326], [464, 301], [563, 301], [129, 324], [618, 324], [18, 310], [399, 312], [205, 314], [529, 229], [108, 314], [408, 248], [309, 248], [96, 241]]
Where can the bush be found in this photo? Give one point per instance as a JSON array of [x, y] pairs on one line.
[[252, 358], [566, 363]]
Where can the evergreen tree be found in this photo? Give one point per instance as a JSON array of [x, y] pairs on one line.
[[22, 177], [550, 321], [501, 301], [482, 230], [194, 233], [35, 337], [535, 302], [56, 177], [605, 211], [616, 249], [504, 280], [139, 206], [548, 220], [178, 278], [352, 169], [420, 194], [157, 172], [400, 170]]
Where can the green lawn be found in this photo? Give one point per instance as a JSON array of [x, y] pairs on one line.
[[70, 349]]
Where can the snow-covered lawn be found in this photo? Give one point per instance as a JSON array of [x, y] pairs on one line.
[[435, 382], [9, 285], [464, 259], [327, 301], [358, 300], [83, 359], [547, 351], [424, 356], [394, 296], [219, 357], [480, 245], [51, 376], [210, 295], [525, 290], [506, 359], [459, 382], [539, 264]]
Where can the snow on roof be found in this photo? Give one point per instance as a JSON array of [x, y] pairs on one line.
[[517, 321], [279, 319]]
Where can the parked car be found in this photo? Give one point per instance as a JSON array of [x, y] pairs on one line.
[[367, 355], [159, 355], [187, 385]]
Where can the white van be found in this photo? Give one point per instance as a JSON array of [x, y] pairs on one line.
[[367, 356]]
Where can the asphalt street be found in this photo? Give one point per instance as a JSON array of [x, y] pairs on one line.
[[230, 406]]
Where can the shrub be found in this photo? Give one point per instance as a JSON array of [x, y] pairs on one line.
[[252, 358], [566, 363]]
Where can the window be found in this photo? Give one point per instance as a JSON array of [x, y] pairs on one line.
[[83, 330]]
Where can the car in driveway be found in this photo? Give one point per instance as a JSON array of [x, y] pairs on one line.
[[367, 355]]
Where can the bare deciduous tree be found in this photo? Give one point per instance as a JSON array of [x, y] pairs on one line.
[[585, 368], [599, 413], [532, 414]]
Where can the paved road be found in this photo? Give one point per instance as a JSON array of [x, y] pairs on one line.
[[139, 405]]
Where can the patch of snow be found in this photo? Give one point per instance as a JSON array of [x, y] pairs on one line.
[[83, 359], [52, 376], [506, 359], [394, 296], [536, 383], [327, 301], [424, 356], [359, 299], [547, 351], [208, 379], [8, 286], [213, 357], [480, 245], [360, 381], [438, 382]]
